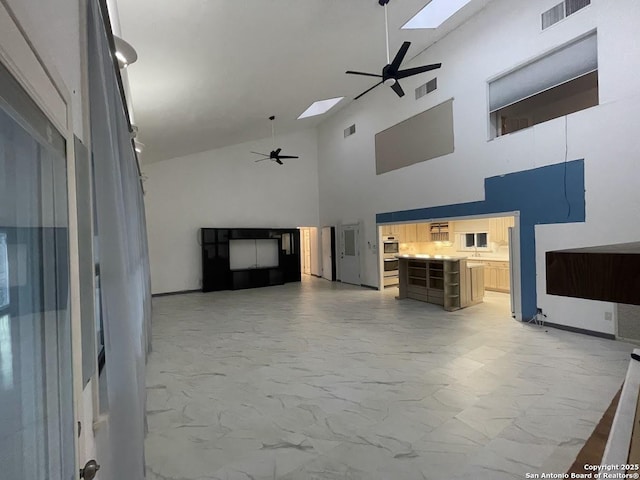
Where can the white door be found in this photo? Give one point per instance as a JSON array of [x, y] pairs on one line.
[[327, 254], [349, 254]]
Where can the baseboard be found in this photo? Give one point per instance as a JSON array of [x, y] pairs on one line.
[[317, 276], [584, 331], [182, 292]]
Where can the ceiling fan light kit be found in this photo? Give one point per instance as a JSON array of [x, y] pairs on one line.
[[391, 72]]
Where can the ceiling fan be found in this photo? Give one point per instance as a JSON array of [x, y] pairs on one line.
[[391, 72], [274, 155]]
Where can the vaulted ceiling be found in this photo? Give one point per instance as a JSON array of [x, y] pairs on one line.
[[211, 72]]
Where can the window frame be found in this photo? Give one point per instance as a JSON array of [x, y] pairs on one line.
[[493, 119], [473, 248]]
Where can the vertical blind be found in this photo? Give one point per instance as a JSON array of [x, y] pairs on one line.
[[123, 257]]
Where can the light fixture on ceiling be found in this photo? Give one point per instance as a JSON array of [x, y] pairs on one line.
[[125, 53], [139, 146], [435, 13], [320, 107]]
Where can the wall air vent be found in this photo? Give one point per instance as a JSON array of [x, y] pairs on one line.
[[428, 87], [561, 11], [349, 130]]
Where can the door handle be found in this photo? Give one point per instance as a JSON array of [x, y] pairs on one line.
[[90, 470]]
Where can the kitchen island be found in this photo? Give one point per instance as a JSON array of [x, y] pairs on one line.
[[442, 280]]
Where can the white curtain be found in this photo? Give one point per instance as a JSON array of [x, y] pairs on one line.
[[123, 257]]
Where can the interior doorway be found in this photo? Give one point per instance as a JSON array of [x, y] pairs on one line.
[[491, 241], [310, 252], [305, 258]]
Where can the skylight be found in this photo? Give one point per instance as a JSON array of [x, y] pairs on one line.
[[435, 13], [320, 107]]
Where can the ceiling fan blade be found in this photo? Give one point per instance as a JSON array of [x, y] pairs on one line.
[[398, 89], [261, 159], [278, 151], [286, 156], [277, 160], [397, 60], [351, 72], [367, 91], [263, 154], [415, 71]]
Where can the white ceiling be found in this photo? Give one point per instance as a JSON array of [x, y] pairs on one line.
[[211, 72]]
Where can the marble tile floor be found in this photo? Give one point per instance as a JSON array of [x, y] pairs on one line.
[[329, 381]]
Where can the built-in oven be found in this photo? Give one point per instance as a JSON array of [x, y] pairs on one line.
[[390, 266], [390, 251], [390, 245]]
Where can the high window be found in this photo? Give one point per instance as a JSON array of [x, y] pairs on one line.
[[562, 82]]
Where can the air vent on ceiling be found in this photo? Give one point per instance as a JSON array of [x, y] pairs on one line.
[[350, 130], [428, 87], [561, 11]]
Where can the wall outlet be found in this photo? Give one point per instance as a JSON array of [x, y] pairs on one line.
[[608, 316]]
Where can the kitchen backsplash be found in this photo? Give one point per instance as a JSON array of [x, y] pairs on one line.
[[450, 248]]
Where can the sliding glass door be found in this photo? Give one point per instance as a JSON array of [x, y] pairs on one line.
[[36, 401]]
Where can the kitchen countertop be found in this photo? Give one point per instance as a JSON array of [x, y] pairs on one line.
[[487, 258], [421, 256], [424, 256]]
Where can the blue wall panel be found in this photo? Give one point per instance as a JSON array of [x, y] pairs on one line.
[[551, 194]]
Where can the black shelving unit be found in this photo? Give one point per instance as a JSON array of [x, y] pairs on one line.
[[216, 266]]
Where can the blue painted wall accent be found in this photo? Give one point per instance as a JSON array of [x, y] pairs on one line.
[[551, 194]]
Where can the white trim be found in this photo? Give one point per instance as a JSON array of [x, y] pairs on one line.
[[42, 84]]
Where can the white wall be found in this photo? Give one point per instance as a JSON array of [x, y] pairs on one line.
[[504, 35], [224, 188], [53, 27]]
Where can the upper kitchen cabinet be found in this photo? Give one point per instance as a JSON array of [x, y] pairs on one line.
[[498, 229], [395, 230], [410, 233], [439, 231], [423, 233]]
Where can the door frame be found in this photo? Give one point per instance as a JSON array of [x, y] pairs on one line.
[[332, 233], [38, 76]]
